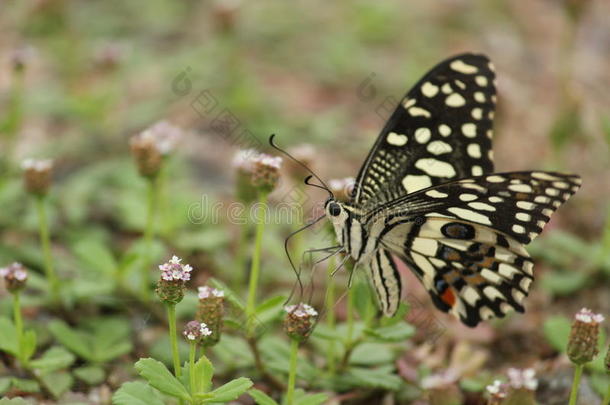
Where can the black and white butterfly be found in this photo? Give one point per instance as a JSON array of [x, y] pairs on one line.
[[428, 195]]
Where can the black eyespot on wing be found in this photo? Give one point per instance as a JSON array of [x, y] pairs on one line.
[[457, 230]]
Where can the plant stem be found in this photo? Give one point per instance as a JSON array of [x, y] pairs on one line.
[[192, 352], [171, 319], [45, 241], [576, 384], [240, 267], [18, 324], [330, 315], [256, 257], [149, 233], [292, 371]]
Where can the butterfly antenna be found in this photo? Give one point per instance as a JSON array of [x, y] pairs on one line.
[[304, 166], [286, 241]]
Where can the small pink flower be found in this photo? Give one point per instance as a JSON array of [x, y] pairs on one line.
[[587, 316], [174, 270], [207, 292], [15, 276]]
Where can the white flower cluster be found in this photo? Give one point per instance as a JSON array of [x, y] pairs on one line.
[[15, 271], [162, 135], [301, 310], [193, 332], [587, 316], [39, 165], [522, 378], [497, 389], [174, 270], [246, 160], [207, 292]]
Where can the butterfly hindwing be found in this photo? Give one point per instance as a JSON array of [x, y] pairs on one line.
[[465, 239], [440, 131], [385, 280], [475, 272]]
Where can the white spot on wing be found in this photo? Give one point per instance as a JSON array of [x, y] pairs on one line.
[[418, 111], [429, 90], [459, 66], [455, 100], [469, 130], [444, 130], [481, 81], [422, 135], [396, 139], [413, 183], [439, 147], [435, 167], [474, 150], [470, 215], [436, 194], [477, 170], [481, 206]]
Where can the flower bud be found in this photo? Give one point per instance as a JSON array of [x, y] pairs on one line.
[[37, 175], [15, 276], [522, 387], [21, 57], [300, 320], [256, 173], [195, 331], [210, 312], [174, 275], [150, 146], [582, 344]]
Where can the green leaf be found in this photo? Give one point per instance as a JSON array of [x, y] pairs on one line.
[[95, 255], [110, 338], [231, 390], [75, 341], [57, 383], [261, 398], [363, 300], [269, 309], [53, 359], [135, 393], [600, 383], [394, 333], [28, 344], [557, 331], [230, 295], [563, 283], [372, 354], [5, 384], [8, 337], [92, 375], [311, 399], [204, 371], [25, 385], [160, 378], [373, 378]]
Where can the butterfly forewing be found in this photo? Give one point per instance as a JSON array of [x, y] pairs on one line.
[[440, 131], [518, 204]]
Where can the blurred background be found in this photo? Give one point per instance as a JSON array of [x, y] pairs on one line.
[[78, 78]]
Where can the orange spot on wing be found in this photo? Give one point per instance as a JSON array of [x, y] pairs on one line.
[[448, 297]]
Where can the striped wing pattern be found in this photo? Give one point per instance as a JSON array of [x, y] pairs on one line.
[[440, 131], [465, 239]]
